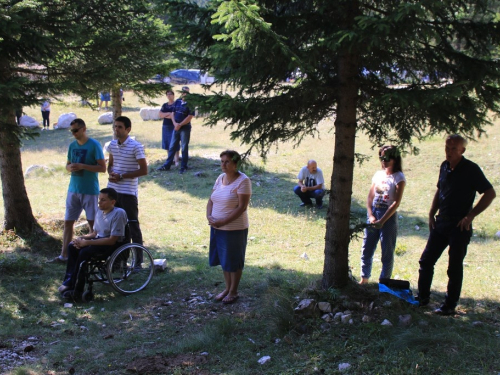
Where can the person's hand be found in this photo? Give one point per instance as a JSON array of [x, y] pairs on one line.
[[216, 223], [79, 242], [432, 222], [372, 219], [113, 177], [75, 167], [465, 223], [378, 224], [177, 127], [303, 189]]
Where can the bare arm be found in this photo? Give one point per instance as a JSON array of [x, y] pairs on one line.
[[243, 200], [110, 163], [179, 125], [165, 114], [142, 171], [481, 205], [74, 167], [394, 206], [105, 241], [369, 204], [210, 206]]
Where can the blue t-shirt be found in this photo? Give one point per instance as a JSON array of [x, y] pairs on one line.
[[85, 182], [181, 111]]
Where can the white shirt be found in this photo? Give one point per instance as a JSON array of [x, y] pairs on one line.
[[125, 158]]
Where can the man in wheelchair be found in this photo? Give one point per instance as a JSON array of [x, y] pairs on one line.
[[108, 235]]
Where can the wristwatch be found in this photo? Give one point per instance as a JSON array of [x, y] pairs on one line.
[[121, 176]]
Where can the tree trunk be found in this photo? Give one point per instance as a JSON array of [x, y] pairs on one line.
[[336, 265], [116, 100], [17, 207]]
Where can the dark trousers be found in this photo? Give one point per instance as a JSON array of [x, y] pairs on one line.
[[77, 263], [445, 233], [305, 197], [45, 117], [130, 205]]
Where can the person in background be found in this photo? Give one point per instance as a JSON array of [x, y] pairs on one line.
[[459, 180], [310, 185], [228, 219], [166, 113], [384, 198], [46, 114], [105, 98], [181, 119]]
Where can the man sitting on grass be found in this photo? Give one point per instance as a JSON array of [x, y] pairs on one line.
[[108, 235]]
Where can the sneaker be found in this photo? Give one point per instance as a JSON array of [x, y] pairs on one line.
[[72, 295], [319, 206], [63, 288], [305, 204], [444, 309], [422, 301], [182, 170], [58, 259], [163, 169]]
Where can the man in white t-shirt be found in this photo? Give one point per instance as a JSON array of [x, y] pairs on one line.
[[310, 185]]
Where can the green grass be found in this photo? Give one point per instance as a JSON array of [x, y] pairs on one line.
[[160, 322]]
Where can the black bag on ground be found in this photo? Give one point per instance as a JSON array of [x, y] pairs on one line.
[[396, 284]]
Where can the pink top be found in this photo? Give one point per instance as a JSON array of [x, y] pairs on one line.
[[225, 200]]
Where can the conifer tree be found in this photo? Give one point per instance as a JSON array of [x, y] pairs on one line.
[[49, 47], [397, 71]]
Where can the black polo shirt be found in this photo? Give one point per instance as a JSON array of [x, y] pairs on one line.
[[458, 187]]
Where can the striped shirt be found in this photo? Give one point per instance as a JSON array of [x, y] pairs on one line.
[[125, 158], [225, 200]]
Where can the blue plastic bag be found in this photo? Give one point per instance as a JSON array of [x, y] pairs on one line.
[[404, 294]]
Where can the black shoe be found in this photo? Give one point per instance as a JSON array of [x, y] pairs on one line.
[[72, 295], [305, 204], [182, 170], [319, 206], [422, 301], [163, 169], [444, 309]]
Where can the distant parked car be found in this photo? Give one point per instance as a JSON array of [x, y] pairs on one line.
[[185, 76]]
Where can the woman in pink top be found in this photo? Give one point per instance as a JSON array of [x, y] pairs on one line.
[[228, 220]]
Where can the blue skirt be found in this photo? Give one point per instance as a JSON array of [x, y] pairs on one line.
[[227, 249]]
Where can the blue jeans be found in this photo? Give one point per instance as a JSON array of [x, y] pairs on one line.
[[182, 135], [445, 233], [305, 197], [387, 236], [166, 137]]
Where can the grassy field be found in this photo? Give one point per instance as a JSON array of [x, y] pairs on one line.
[[167, 327]]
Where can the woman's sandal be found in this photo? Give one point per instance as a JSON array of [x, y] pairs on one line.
[[230, 299], [219, 297]]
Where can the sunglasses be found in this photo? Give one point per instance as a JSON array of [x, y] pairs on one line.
[[75, 130], [385, 158]]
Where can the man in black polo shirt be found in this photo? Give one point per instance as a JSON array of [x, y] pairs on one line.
[[459, 180]]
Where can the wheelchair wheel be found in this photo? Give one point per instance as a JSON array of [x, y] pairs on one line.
[[127, 273]]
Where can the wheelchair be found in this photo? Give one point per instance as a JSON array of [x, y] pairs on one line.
[[123, 270]]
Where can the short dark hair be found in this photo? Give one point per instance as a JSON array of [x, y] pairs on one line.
[[78, 121], [233, 155], [169, 92], [393, 153], [110, 192], [126, 121]]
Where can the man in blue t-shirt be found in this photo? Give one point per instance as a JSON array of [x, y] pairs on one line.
[[459, 180], [181, 119], [85, 160]]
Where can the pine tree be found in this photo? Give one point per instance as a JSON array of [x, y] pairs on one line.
[[49, 47], [397, 71]]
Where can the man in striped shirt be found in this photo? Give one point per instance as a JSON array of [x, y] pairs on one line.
[[127, 162]]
